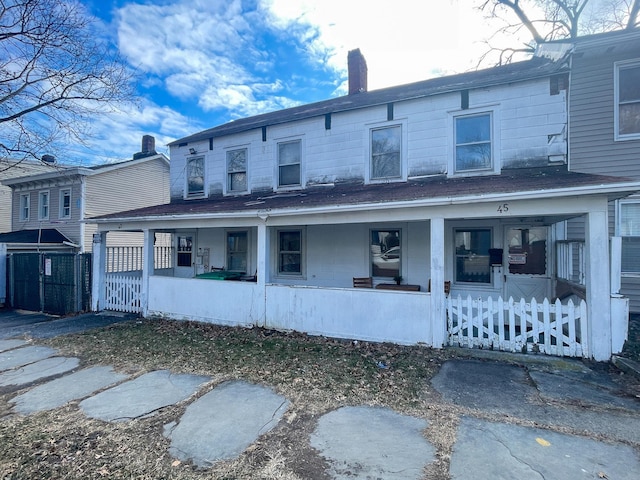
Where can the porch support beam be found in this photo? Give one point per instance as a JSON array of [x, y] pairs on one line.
[[147, 269], [598, 284], [98, 267], [437, 318], [262, 266]]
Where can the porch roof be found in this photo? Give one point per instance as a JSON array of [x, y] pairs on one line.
[[48, 236], [529, 183]]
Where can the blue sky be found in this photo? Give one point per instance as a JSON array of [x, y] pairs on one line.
[[202, 63]]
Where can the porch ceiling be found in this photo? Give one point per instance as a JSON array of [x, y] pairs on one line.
[[527, 182]]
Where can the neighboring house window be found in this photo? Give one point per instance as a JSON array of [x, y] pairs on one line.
[[472, 255], [195, 177], [385, 252], [386, 153], [25, 206], [43, 206], [65, 203], [628, 100], [289, 161], [629, 230], [290, 252], [473, 143], [237, 251], [237, 170]]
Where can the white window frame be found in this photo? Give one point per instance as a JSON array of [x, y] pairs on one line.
[[616, 106], [44, 215], [228, 172], [494, 118], [283, 141], [277, 265], [25, 206], [61, 213], [371, 127], [195, 194], [618, 230]]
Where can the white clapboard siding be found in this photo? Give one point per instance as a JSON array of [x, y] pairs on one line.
[[540, 327], [123, 293]]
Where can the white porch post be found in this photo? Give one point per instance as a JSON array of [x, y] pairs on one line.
[[438, 320], [99, 269], [263, 266], [598, 286], [3, 273], [147, 270]]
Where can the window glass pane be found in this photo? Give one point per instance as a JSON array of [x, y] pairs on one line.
[[631, 254], [237, 170], [472, 256], [195, 172], [527, 250], [629, 84], [629, 219], [185, 245], [289, 175], [629, 118], [385, 253], [473, 142], [289, 252], [385, 152], [288, 153], [238, 182], [237, 251]]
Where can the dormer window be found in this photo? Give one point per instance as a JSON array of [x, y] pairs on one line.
[[195, 177]]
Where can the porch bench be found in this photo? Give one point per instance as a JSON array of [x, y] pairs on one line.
[[394, 286]]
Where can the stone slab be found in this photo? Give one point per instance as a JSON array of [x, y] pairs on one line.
[[49, 367], [142, 396], [19, 357], [223, 423], [373, 442], [502, 451], [60, 391], [11, 344]]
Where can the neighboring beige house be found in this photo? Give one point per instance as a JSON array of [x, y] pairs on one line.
[[11, 169], [50, 209]]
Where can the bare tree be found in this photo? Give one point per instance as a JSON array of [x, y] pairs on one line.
[[56, 74], [545, 20]]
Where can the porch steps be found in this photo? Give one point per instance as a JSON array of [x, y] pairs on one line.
[[627, 365]]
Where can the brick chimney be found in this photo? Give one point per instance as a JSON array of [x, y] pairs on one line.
[[148, 144], [357, 67]]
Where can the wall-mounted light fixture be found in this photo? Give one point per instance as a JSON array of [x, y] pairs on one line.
[[192, 151]]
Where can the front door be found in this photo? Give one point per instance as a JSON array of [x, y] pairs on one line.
[[527, 263], [185, 258]]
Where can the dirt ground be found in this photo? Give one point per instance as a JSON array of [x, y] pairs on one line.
[[316, 374]]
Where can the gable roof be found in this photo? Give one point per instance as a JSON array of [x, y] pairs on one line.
[[545, 182], [515, 72], [66, 171]]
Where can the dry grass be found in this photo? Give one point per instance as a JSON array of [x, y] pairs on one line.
[[316, 374]]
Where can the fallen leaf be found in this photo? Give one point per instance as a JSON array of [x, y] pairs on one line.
[[543, 442], [176, 463]]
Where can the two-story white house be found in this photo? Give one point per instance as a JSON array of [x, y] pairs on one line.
[[444, 198]]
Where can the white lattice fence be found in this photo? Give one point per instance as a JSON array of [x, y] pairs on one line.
[[545, 327], [123, 293]]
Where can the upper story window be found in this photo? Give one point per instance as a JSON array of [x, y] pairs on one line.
[[627, 117], [289, 162], [195, 177], [65, 203], [386, 158], [628, 227], [43, 206], [25, 206], [237, 170], [473, 143]]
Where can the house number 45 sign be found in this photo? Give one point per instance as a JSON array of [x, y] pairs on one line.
[[503, 208]]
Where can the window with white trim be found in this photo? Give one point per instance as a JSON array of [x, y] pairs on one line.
[[289, 163], [386, 152], [472, 255], [25, 206], [65, 203], [237, 170], [195, 177], [629, 231], [290, 258], [43, 205], [385, 250], [237, 251], [473, 138], [627, 93]]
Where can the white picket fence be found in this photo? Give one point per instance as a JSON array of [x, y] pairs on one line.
[[545, 327], [123, 293]]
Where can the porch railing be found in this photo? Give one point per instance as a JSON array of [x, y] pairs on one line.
[[129, 259], [540, 327], [571, 261]]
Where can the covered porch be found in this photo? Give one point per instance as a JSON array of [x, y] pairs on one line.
[[293, 269]]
